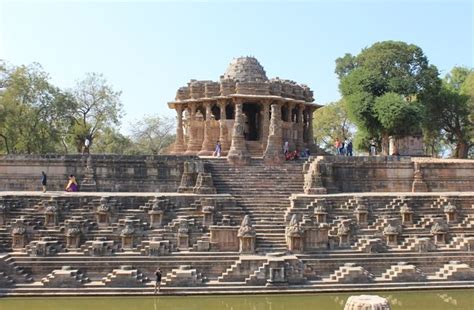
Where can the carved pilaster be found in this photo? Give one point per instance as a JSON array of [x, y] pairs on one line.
[[238, 153], [274, 153], [207, 144], [265, 122], [179, 146], [311, 144], [300, 125], [419, 185], [223, 132], [194, 144]]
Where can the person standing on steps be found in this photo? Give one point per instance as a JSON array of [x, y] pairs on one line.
[[286, 147], [44, 181], [87, 144], [349, 148], [218, 150], [158, 280]]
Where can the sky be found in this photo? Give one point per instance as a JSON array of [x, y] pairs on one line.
[[149, 49]]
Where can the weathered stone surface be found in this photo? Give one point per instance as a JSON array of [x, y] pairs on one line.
[[367, 302], [210, 111]]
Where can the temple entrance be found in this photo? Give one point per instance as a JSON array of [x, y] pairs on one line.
[[252, 121]]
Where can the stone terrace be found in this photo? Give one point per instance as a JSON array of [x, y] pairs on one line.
[[248, 228]]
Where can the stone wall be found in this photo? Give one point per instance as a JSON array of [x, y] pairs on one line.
[[388, 174], [112, 173]]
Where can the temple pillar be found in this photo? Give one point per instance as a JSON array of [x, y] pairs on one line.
[[207, 144], [238, 153], [265, 122], [193, 144], [179, 146], [311, 144], [274, 151], [291, 129], [223, 133], [300, 125]]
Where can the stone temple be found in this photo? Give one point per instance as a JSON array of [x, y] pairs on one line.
[[247, 222], [237, 111]]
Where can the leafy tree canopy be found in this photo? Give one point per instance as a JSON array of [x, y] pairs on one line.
[[332, 122], [384, 87]]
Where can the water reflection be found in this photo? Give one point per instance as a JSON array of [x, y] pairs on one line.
[[456, 299]]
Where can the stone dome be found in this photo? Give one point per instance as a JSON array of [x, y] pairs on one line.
[[245, 69]]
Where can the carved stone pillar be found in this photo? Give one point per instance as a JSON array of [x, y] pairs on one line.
[[439, 230], [391, 233], [73, 237], [300, 140], [451, 213], [265, 122], [246, 235], [418, 185], [291, 129], [223, 133], [311, 145], [194, 145], [406, 214], [361, 213], [156, 215], [179, 147], [183, 235], [344, 234], [238, 153], [294, 234], [127, 236], [274, 152], [207, 144]]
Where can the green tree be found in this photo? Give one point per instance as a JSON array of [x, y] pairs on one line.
[[111, 141], [384, 87], [332, 122], [31, 109], [153, 134], [449, 112], [98, 106]]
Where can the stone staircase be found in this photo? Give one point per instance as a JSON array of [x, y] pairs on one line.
[[183, 276], [65, 277], [454, 270], [401, 272], [263, 193], [348, 273], [125, 276]]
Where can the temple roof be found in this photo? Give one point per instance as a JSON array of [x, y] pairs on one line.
[[244, 77], [245, 69]]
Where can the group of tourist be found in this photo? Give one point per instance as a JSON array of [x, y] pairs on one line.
[[293, 155], [343, 148], [70, 187]]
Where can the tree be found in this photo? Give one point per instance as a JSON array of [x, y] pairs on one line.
[[153, 134], [98, 107], [384, 87], [31, 110], [449, 112], [332, 122], [111, 141]]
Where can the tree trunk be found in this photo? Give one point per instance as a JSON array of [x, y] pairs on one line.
[[6, 143], [462, 149], [385, 144]]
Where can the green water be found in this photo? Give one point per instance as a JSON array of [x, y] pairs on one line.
[[432, 300]]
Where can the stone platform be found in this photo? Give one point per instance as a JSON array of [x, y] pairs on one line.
[[242, 229]]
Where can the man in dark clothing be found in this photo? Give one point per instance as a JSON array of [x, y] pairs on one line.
[[349, 148], [44, 181], [158, 280]]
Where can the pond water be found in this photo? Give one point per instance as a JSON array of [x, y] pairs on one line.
[[419, 300]]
